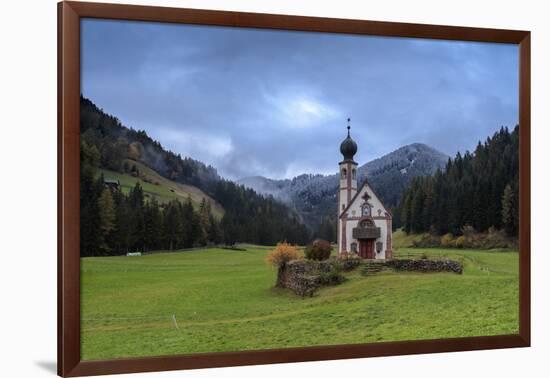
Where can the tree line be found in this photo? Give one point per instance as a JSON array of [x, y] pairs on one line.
[[478, 189]]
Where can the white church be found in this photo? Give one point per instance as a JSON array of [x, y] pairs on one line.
[[364, 224]]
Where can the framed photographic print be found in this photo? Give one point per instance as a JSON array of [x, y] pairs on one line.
[[239, 188]]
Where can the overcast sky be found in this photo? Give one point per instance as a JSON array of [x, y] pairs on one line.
[[275, 103]]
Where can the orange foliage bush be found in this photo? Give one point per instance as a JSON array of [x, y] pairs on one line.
[[282, 254]]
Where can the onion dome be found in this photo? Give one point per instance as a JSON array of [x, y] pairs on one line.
[[348, 147]]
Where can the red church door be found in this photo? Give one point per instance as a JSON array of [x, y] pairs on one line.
[[366, 248]]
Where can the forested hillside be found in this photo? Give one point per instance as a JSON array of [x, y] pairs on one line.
[[478, 190], [158, 187], [116, 143], [115, 221]]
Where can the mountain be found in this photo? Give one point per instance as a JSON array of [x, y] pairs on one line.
[[132, 157], [390, 174], [314, 196]]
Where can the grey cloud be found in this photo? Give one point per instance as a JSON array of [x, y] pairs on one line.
[[280, 99]]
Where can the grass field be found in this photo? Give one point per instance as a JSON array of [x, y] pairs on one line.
[[164, 190], [220, 300]]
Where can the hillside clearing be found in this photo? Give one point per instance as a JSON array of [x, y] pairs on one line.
[[161, 188]]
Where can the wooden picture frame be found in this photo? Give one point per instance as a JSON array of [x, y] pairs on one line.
[[69, 15]]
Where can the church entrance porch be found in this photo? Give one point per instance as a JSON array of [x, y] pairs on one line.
[[366, 248]]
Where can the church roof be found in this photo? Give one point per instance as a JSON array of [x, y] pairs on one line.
[[365, 183], [348, 147]]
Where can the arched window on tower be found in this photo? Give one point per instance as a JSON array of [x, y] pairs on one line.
[[354, 174], [344, 173]]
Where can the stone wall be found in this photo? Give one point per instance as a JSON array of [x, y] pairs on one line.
[[349, 264], [303, 277], [425, 265]]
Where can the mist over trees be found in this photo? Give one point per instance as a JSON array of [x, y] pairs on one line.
[[477, 189]]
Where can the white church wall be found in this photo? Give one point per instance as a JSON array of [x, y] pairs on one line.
[[383, 236], [343, 199], [349, 238], [377, 209], [354, 211]]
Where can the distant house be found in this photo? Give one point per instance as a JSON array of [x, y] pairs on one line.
[[112, 184], [364, 223]]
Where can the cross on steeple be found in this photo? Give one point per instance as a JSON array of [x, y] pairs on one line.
[[349, 119]]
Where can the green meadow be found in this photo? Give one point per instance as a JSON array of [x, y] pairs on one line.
[[215, 300]]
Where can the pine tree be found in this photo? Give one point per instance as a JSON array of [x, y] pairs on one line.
[[203, 223], [188, 224], [153, 226], [136, 201], [136, 197], [406, 211], [122, 234], [172, 225], [229, 229], [510, 210], [214, 232], [417, 209], [106, 217], [90, 190], [327, 229]]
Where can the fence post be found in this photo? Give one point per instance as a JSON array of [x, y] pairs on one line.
[[175, 321]]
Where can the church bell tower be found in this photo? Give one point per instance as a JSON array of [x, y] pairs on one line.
[[348, 187], [348, 172]]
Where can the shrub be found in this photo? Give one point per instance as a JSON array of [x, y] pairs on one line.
[[282, 254], [233, 248], [468, 230], [427, 241], [495, 239], [318, 250], [460, 241], [447, 240], [348, 261], [333, 277]]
